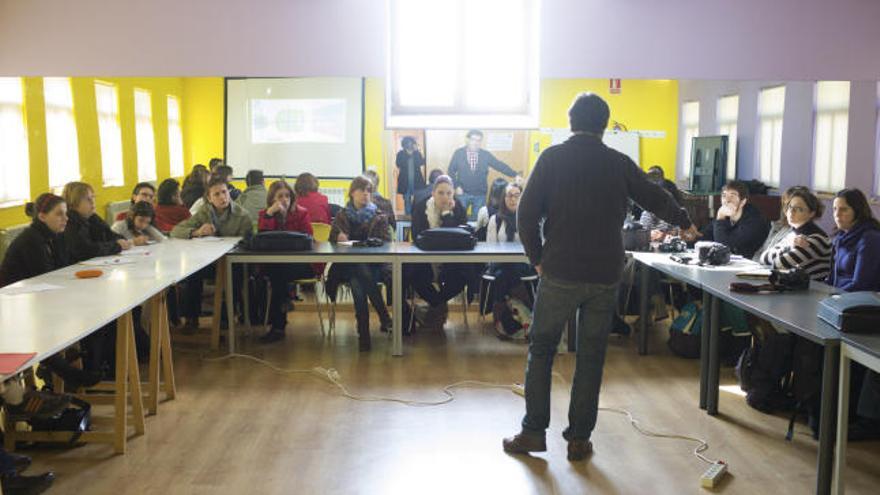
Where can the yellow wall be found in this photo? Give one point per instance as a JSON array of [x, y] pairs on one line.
[[645, 105], [88, 138], [642, 105]]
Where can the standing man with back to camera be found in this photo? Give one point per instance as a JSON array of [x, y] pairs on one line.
[[584, 184], [469, 171]]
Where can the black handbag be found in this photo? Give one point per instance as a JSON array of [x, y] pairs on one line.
[[73, 419], [278, 240], [635, 237], [446, 239]]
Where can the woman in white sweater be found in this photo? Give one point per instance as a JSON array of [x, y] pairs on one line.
[[138, 225], [805, 245], [502, 228]]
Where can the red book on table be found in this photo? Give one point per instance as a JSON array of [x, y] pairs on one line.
[[10, 363]]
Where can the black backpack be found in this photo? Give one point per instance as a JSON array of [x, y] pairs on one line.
[[278, 240], [806, 384], [446, 239], [764, 369]]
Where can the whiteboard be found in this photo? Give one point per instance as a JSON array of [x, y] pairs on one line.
[[622, 141]]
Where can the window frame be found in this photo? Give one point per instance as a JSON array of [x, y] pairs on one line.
[[142, 153], [19, 159], [70, 172], [775, 121], [115, 134]]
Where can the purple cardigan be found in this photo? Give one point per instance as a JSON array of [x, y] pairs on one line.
[[856, 259]]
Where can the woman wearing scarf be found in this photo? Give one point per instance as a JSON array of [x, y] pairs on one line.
[[502, 228], [359, 221]]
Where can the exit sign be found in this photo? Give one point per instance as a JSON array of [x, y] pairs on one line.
[[614, 86]]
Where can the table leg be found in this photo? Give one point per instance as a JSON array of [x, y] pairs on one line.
[[134, 382], [397, 309], [825, 461], [155, 351], [245, 296], [842, 426], [705, 331], [230, 308], [714, 360], [643, 309], [219, 283]]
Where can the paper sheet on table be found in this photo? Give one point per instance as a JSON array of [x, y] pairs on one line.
[[758, 274], [27, 289], [137, 251], [345, 243], [208, 238], [115, 261]]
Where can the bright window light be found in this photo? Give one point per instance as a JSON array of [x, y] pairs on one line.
[[146, 144], [829, 135], [727, 114], [175, 137], [771, 107], [107, 103], [14, 163], [690, 128], [61, 137], [463, 63]]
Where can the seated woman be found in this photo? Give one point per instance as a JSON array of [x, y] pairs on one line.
[[87, 235], [438, 210], [282, 213], [805, 246], [358, 221], [194, 185], [170, 209], [39, 249], [308, 197], [137, 226], [496, 199], [502, 228], [856, 267], [219, 216]]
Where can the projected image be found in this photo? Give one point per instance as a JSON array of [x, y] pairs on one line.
[[298, 121]]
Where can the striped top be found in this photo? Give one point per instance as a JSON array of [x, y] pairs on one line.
[[815, 259]]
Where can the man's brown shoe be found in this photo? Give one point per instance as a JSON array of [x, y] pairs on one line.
[[523, 444], [578, 450]]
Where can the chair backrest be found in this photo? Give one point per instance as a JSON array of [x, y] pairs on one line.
[[7, 235], [115, 208], [321, 231]]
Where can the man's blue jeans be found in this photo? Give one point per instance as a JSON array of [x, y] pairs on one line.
[[555, 303], [475, 201]]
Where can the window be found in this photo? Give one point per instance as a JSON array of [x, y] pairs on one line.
[[829, 135], [107, 103], [143, 128], [690, 128], [175, 137], [727, 113], [463, 63], [14, 164], [771, 106], [61, 132]]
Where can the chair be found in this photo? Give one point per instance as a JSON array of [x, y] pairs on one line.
[[529, 280], [320, 232]]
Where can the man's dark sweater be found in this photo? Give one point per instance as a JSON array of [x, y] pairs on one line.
[[475, 181], [581, 189], [744, 237]]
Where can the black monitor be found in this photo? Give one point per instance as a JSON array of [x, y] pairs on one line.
[[708, 164]]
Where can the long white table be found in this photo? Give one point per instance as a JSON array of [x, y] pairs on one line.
[[395, 253], [45, 323]]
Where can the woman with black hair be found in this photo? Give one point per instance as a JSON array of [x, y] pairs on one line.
[[39, 249], [502, 228], [137, 226], [170, 209], [496, 200]]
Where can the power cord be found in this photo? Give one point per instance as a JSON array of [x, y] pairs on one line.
[[332, 376]]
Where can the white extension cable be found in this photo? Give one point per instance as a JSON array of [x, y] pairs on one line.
[[331, 375]]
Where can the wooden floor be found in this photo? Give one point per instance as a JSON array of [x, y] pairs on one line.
[[238, 427]]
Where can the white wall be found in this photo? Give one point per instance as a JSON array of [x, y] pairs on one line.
[[674, 39]]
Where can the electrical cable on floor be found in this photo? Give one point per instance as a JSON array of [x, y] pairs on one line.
[[331, 375]]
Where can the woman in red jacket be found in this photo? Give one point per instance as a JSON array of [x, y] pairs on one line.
[[308, 197], [282, 213]]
